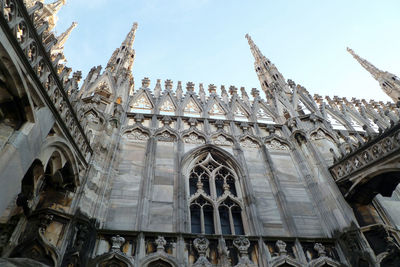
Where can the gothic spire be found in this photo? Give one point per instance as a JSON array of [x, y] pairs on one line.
[[56, 6], [269, 76], [59, 46], [258, 56], [389, 83], [130, 37], [367, 65], [49, 12], [123, 57]]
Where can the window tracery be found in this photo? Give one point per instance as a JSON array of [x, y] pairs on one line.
[[214, 197]]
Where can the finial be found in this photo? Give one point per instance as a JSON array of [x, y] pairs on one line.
[[179, 91], [130, 37], [281, 246], [161, 242], [157, 89], [190, 87], [255, 93], [59, 46], [212, 89], [232, 90], [145, 82], [245, 96], [168, 84], [202, 93], [117, 242]]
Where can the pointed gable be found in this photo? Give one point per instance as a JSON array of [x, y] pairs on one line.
[[216, 111], [355, 123], [336, 124], [167, 106], [302, 109], [191, 109], [263, 116], [103, 87], [240, 114], [141, 104]]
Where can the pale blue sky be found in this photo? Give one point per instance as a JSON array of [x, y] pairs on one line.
[[203, 40]]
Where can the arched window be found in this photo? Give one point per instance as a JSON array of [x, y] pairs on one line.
[[201, 216], [214, 184]]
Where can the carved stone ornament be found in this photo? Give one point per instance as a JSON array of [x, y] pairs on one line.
[[167, 106], [276, 145], [216, 110], [145, 82], [117, 242], [142, 103], [191, 107], [168, 84], [247, 142], [193, 122], [138, 135], [320, 249], [201, 245], [222, 141], [161, 242], [194, 138], [166, 137], [239, 112], [44, 221], [319, 135], [243, 244], [281, 246]]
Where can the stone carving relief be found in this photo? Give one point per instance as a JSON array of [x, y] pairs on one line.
[[167, 106], [239, 112], [319, 135], [194, 138], [191, 107], [222, 141], [166, 136], [275, 144], [216, 110], [367, 156], [138, 135], [249, 143], [142, 103]]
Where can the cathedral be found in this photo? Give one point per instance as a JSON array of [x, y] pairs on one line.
[[115, 171]]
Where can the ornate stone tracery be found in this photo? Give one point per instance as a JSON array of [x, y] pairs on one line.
[[213, 185]]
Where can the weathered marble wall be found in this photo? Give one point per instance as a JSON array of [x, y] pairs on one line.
[[162, 202], [124, 198]]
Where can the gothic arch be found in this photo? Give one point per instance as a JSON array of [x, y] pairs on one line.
[[379, 181], [16, 97], [214, 189], [189, 156], [58, 145], [162, 257], [324, 261], [285, 261], [315, 131], [117, 258]]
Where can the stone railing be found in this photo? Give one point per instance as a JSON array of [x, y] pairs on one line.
[[371, 152], [48, 76]]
